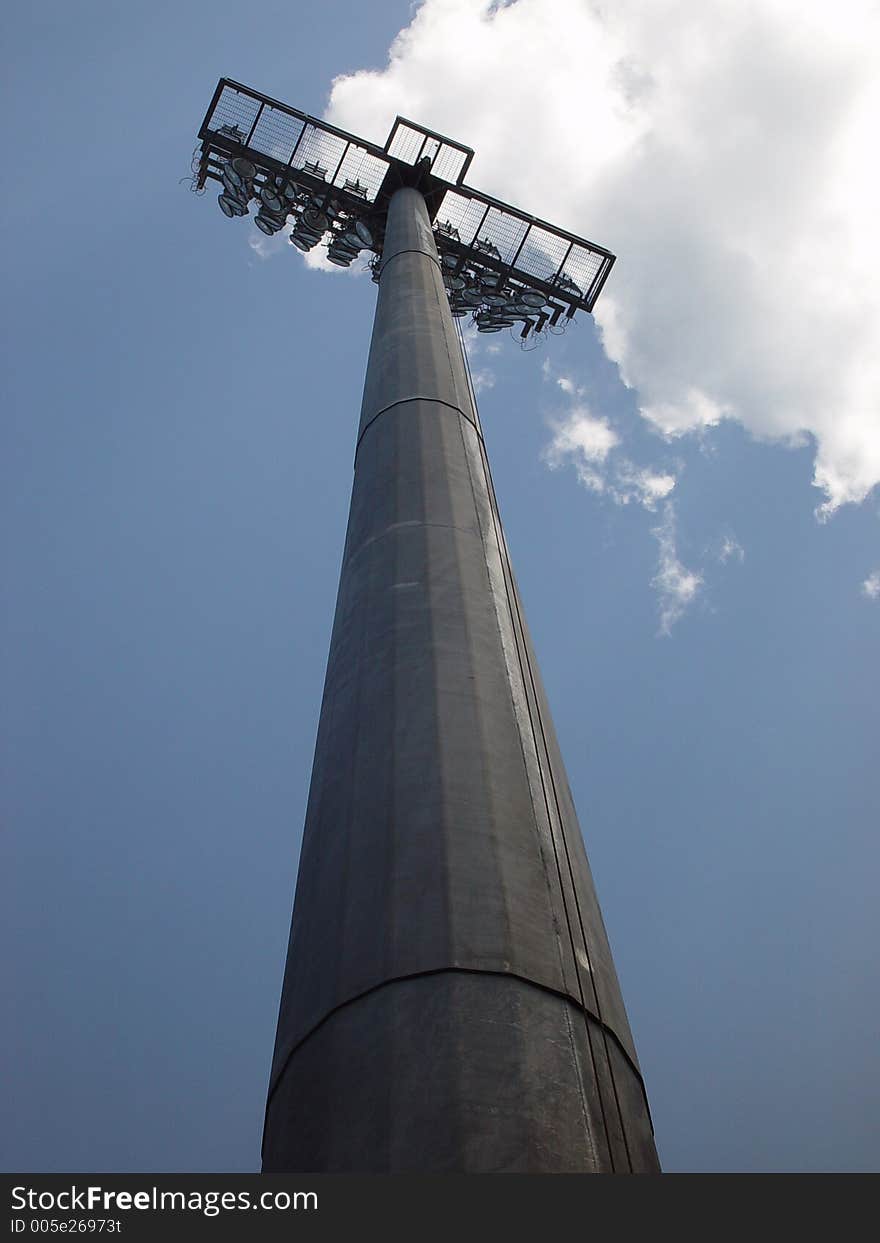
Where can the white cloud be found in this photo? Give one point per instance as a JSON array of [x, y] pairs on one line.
[[483, 378], [676, 586], [315, 259], [583, 437], [641, 484], [586, 442], [730, 547], [569, 387], [871, 586], [264, 246], [723, 152]]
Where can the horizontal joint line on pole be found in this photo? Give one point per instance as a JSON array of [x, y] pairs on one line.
[[402, 401], [421, 975], [397, 526], [411, 250]]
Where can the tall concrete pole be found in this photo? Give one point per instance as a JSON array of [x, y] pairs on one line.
[[450, 1003]]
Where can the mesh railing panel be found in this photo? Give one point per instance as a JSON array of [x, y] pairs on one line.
[[583, 266], [407, 144], [463, 214], [542, 253], [276, 133], [234, 109], [363, 168], [503, 232], [319, 151], [449, 163]]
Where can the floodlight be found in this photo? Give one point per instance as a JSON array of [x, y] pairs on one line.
[[300, 242], [316, 219], [531, 297], [363, 232], [271, 198], [238, 207], [341, 261], [245, 169], [235, 191], [231, 178], [262, 223], [226, 205]]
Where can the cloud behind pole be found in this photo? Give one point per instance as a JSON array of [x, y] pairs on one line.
[[723, 151]]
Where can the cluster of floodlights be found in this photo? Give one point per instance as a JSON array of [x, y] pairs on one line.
[[281, 199], [496, 302], [491, 299]]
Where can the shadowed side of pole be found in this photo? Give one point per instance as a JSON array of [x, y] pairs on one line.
[[449, 1002]]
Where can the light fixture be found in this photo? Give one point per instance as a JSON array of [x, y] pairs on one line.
[[531, 297], [309, 240], [245, 169], [300, 242], [316, 220], [495, 299], [238, 207], [271, 198], [226, 205], [262, 223], [341, 261], [231, 178], [363, 233]]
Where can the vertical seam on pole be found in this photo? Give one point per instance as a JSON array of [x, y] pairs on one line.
[[523, 653], [518, 644]]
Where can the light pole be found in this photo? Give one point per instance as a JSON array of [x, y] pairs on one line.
[[450, 1001]]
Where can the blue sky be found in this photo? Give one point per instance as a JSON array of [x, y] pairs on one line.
[[178, 439]]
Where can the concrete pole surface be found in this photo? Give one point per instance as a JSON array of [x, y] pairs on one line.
[[449, 1003]]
